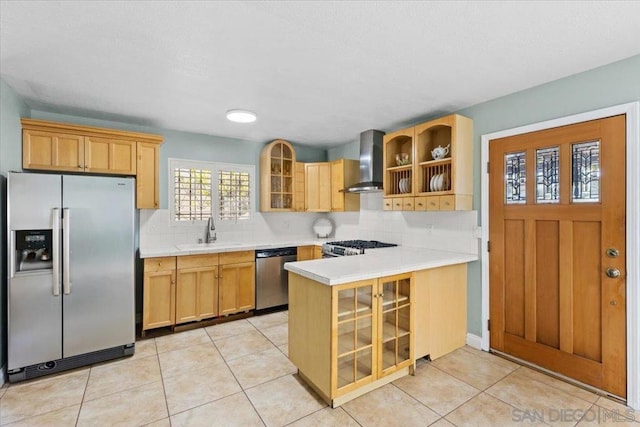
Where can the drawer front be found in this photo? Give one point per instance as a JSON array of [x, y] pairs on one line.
[[159, 264], [387, 205], [433, 203], [397, 204], [447, 203], [194, 261], [420, 204], [408, 204], [236, 257]]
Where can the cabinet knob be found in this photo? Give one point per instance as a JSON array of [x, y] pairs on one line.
[[159, 264]]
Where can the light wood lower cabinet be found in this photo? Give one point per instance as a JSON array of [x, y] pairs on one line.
[[309, 252], [191, 288], [369, 325], [237, 282], [441, 310], [159, 292], [197, 288]]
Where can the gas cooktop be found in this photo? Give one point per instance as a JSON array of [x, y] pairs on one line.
[[352, 247]]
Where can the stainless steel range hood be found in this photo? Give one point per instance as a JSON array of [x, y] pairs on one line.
[[370, 163]]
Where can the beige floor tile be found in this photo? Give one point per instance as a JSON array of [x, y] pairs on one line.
[[612, 405], [241, 345], [146, 348], [229, 329], [166, 422], [284, 400], [269, 320], [61, 418], [389, 405], [494, 358], [197, 387], [181, 340], [258, 368], [436, 389], [327, 417], [599, 416], [278, 334], [556, 383], [234, 410], [284, 349], [442, 422], [535, 397], [107, 379], [475, 370], [136, 406], [35, 397], [484, 410], [189, 359]]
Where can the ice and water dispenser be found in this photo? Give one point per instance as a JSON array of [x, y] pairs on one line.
[[33, 250]]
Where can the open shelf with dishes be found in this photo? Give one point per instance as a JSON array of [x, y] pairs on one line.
[[398, 163]]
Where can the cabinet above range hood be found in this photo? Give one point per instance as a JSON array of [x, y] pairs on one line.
[[370, 163]]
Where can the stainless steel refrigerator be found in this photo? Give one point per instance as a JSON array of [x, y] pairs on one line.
[[71, 271]]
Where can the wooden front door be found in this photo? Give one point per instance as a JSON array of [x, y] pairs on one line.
[[557, 250]]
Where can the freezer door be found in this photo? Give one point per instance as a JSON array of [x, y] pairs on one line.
[[34, 311], [98, 297]]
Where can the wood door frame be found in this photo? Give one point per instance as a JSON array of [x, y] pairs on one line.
[[632, 111]]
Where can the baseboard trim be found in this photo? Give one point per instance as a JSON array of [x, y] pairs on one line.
[[474, 341]]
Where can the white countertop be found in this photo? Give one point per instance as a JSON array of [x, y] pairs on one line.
[[212, 248], [376, 263]]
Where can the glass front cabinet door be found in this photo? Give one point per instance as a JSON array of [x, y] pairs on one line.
[[373, 326]]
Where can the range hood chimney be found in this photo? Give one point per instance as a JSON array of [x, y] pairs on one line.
[[370, 163]]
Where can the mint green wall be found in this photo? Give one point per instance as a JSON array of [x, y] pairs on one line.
[[346, 151], [186, 145], [11, 109], [612, 84]]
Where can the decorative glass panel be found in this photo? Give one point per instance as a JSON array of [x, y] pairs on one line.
[[585, 183], [515, 178], [547, 175]]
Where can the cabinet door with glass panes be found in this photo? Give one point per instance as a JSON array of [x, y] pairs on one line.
[[277, 169], [394, 299], [355, 329]]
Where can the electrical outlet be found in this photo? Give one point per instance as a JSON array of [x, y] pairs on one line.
[[429, 228], [477, 232]]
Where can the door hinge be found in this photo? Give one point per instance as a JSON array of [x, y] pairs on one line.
[[487, 167], [488, 324], [488, 246]]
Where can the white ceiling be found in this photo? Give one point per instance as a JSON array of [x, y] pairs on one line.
[[316, 73]]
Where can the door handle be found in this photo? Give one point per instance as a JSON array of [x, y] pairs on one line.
[[613, 273], [66, 263], [55, 242]]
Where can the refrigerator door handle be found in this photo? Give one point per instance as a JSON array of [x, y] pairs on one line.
[[66, 230], [55, 224]]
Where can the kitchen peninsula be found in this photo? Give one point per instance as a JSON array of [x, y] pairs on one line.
[[359, 322]]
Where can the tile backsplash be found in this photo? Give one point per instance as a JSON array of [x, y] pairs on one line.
[[451, 231]]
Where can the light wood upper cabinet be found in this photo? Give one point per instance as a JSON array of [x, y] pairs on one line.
[[277, 163], [344, 172], [318, 187], [52, 151], [109, 156], [147, 181], [159, 292], [438, 183], [73, 148], [299, 187]]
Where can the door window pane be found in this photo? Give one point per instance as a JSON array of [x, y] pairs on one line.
[[515, 179], [585, 182], [547, 175]]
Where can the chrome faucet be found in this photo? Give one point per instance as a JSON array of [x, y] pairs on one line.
[[209, 237]]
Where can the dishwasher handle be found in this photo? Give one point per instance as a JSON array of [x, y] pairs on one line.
[[276, 252]]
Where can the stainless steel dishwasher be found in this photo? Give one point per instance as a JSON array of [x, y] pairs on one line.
[[272, 280]]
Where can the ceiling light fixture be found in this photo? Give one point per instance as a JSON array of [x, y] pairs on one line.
[[241, 116]]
